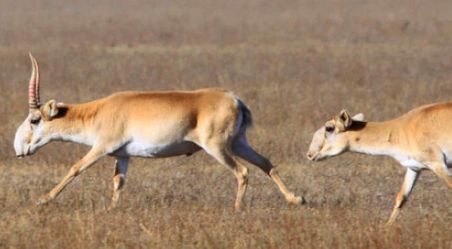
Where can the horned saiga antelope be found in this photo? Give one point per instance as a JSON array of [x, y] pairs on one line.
[[145, 124], [420, 139]]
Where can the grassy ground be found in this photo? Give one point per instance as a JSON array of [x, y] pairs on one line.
[[294, 63]]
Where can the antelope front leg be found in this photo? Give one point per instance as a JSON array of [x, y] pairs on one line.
[[119, 179], [402, 196], [88, 160]]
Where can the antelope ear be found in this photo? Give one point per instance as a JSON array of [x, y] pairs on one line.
[[358, 117], [345, 119], [50, 109]]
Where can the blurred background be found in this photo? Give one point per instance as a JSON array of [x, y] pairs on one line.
[[294, 63]]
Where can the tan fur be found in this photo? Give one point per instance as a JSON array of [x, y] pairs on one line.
[[147, 124], [420, 139]]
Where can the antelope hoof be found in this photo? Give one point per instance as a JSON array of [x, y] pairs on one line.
[[297, 200], [43, 200], [111, 207], [389, 223]]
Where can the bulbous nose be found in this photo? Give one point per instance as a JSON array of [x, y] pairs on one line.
[[310, 155]]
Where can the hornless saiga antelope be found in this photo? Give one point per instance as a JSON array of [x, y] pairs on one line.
[[145, 124], [420, 139]]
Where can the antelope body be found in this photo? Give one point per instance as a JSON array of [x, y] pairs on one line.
[[420, 139], [145, 124]]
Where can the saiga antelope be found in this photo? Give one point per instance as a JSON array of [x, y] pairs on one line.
[[420, 139], [145, 124]]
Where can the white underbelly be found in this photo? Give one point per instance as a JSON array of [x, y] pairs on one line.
[[143, 149], [409, 162]]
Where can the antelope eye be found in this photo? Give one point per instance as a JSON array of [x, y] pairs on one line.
[[329, 128], [35, 121]]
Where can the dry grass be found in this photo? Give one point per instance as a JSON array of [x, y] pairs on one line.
[[295, 63]]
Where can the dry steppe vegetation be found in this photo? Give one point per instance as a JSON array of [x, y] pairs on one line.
[[295, 64]]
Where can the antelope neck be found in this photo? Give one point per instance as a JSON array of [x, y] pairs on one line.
[[375, 138]]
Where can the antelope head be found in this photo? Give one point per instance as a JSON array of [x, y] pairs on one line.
[[36, 130], [331, 139]]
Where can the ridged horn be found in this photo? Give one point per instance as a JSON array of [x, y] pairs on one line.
[[33, 87]]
